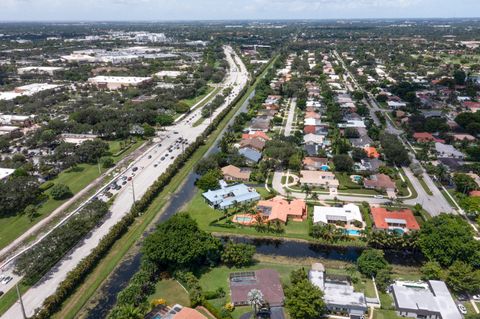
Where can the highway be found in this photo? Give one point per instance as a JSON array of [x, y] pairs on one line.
[[168, 145]]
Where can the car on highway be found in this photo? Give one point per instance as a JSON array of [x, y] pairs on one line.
[[135, 169], [155, 165], [378, 196], [162, 158], [129, 178], [172, 157], [149, 156], [462, 309]]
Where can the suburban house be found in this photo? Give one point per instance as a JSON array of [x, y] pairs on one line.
[[265, 280], [259, 124], [380, 182], [348, 216], [229, 195], [430, 301], [175, 312], [280, 209], [251, 155], [449, 151], [233, 173], [463, 137], [339, 294], [254, 143], [257, 134], [312, 163], [314, 139], [398, 220], [475, 177], [423, 137], [361, 142], [368, 164], [319, 179]]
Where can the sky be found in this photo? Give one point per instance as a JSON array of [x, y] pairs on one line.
[[163, 10]]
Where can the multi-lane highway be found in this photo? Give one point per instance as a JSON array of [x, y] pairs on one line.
[[135, 181]]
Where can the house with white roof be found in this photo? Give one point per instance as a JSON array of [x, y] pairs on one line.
[[431, 301], [228, 195], [348, 214]]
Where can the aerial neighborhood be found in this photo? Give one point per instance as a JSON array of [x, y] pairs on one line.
[[240, 169]]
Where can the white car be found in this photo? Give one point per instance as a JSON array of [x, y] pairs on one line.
[[476, 297], [462, 308], [378, 196]]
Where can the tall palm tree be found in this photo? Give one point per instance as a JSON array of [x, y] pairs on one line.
[[314, 196], [128, 312], [255, 299]]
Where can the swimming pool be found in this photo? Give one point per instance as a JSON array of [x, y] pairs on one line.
[[352, 232], [243, 219]]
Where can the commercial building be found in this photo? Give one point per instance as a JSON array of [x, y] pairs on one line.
[[77, 139], [229, 195], [431, 301], [50, 70], [27, 90], [339, 294], [118, 82]]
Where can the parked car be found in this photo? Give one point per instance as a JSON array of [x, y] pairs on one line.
[[462, 297], [8, 279], [476, 297], [462, 308]]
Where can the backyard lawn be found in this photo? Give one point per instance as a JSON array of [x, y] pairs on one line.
[[76, 179], [172, 292], [204, 214]]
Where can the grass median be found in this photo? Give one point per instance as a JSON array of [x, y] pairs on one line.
[[72, 308]]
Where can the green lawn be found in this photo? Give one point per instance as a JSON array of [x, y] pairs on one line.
[[191, 102], [385, 314], [348, 187], [171, 291], [76, 179], [425, 186], [204, 214]]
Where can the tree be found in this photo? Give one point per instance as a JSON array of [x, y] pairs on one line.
[[60, 192], [432, 271], [462, 278], [371, 261], [178, 243], [255, 299], [394, 150], [358, 154], [165, 119], [383, 279], [181, 107], [343, 163], [447, 238], [298, 275], [464, 183], [107, 162], [351, 132], [209, 181], [238, 255], [127, 311], [17, 193], [148, 130], [31, 212], [459, 76], [304, 301]]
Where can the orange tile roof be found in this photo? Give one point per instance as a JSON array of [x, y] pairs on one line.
[[189, 313], [235, 172], [380, 215], [423, 137], [475, 193], [257, 134], [372, 152], [281, 209], [313, 115]]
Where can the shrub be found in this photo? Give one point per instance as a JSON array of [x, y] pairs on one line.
[[60, 191]]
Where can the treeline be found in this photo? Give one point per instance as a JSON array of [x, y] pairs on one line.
[[40, 259]]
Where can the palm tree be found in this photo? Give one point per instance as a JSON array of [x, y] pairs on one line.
[[314, 196], [128, 312], [306, 189], [255, 299]]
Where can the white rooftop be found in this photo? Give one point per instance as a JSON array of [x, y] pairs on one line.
[[349, 212], [5, 172]]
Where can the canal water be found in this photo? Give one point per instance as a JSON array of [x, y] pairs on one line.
[[124, 272]]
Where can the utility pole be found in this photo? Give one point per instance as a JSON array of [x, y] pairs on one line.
[[21, 302], [133, 191]]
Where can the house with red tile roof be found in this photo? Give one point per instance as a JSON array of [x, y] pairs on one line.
[[233, 173], [189, 313], [280, 209], [314, 163], [472, 106], [309, 129], [312, 115], [372, 152], [423, 137], [402, 220], [254, 143], [257, 134]]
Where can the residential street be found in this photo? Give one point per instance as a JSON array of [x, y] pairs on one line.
[[291, 116]]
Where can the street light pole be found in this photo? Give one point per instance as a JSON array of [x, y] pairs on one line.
[[21, 302], [133, 191]]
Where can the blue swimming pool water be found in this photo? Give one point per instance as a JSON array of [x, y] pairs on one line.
[[352, 232], [157, 317], [244, 219]]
